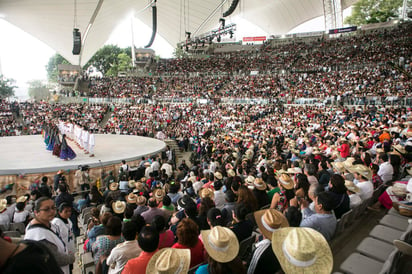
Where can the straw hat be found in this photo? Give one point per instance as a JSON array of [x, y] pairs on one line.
[[351, 186], [269, 220], [169, 261], [114, 186], [132, 183], [131, 198], [119, 207], [294, 170], [259, 184], [141, 200], [362, 170], [338, 166], [206, 192], [21, 199], [139, 186], [250, 179], [286, 181], [218, 175], [159, 194], [302, 250], [220, 243], [348, 162], [3, 204], [231, 173]]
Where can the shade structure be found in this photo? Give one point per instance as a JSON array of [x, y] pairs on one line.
[[53, 21]]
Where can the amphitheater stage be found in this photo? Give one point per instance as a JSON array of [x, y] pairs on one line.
[[23, 155]]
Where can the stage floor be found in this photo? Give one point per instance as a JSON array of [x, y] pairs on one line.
[[27, 154]]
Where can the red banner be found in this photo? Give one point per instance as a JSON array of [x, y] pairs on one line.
[[254, 39]]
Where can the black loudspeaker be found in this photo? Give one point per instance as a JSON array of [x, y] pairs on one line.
[[77, 42]]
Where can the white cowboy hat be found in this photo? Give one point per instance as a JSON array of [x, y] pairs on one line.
[[302, 250], [269, 220], [119, 207], [220, 243], [169, 260]]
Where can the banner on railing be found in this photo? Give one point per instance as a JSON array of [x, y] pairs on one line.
[[254, 39]]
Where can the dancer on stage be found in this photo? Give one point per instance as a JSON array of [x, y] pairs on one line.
[[46, 130], [91, 143], [53, 133], [66, 151], [57, 145]]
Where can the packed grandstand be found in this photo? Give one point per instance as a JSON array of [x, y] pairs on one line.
[[305, 133]]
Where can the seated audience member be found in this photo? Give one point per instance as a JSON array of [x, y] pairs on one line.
[[279, 200], [353, 192], [219, 196], [105, 243], [148, 241], [302, 250], [259, 191], [169, 260], [98, 227], [242, 228], [153, 211], [362, 176], [21, 215], [40, 229], [166, 236], [337, 190], [30, 257], [124, 251], [141, 205], [4, 217], [263, 258], [222, 248], [322, 219], [294, 216], [187, 237], [214, 217], [64, 226], [228, 207]]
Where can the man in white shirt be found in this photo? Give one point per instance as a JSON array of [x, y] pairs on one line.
[[362, 175], [385, 168], [168, 168], [219, 196], [125, 251]]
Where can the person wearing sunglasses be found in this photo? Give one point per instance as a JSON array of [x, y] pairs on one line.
[[41, 229]]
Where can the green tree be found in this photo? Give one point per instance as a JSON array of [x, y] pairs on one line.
[[179, 52], [51, 67], [107, 60], [374, 11], [6, 87], [38, 90]]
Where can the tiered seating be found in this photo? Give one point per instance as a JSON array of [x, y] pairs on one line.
[[376, 253]]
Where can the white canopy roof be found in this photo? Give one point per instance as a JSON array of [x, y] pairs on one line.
[[52, 21]]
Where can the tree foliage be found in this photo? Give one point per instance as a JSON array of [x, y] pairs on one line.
[[111, 59], [374, 11], [6, 87], [51, 67], [38, 90]]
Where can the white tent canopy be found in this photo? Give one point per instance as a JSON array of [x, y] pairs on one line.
[[53, 21]]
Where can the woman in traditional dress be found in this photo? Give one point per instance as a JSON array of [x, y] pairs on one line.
[[57, 145], [50, 145], [66, 152], [46, 130]]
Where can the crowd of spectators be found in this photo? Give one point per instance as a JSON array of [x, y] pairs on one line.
[[254, 167]]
